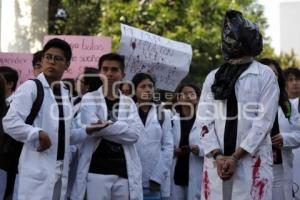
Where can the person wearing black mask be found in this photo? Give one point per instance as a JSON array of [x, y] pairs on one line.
[[237, 110]]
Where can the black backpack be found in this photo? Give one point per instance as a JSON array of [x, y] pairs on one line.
[[10, 149]]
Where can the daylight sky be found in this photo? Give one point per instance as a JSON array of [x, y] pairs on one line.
[[273, 16]]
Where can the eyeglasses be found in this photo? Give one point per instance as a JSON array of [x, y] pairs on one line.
[[50, 57]]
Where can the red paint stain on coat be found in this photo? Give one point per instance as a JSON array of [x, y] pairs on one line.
[[258, 184], [204, 130], [206, 185], [133, 45]]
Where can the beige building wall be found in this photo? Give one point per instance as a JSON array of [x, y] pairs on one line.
[[290, 27], [23, 24]]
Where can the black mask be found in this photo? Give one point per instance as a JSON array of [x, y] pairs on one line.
[[240, 37]]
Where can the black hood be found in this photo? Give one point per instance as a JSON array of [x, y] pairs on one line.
[[240, 37]]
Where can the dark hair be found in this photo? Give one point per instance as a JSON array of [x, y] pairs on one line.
[[138, 78], [181, 86], [2, 97], [283, 96], [126, 83], [114, 57], [70, 85], [292, 71], [60, 44], [10, 75], [179, 90], [94, 82], [37, 57]]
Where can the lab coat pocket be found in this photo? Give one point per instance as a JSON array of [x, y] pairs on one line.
[[33, 165]]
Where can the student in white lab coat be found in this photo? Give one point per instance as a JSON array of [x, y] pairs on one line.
[[186, 175], [108, 165], [155, 144], [285, 137], [89, 81], [292, 78], [237, 109], [44, 160]]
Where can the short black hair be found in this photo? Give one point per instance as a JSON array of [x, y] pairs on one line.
[[10, 75], [183, 85], [114, 57], [37, 57], [69, 83], [60, 44], [139, 77], [94, 82], [292, 71], [179, 91]]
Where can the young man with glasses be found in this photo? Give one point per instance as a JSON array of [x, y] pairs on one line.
[[44, 160], [108, 166]]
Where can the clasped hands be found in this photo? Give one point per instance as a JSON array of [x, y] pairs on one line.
[[226, 166]]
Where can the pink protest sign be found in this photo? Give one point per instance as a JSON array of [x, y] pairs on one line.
[[86, 51], [22, 62]]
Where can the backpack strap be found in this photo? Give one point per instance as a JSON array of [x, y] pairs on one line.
[[37, 104]]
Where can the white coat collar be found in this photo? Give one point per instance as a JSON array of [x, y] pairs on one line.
[[252, 69], [100, 90], [102, 98], [43, 79], [64, 89], [45, 83], [151, 112]]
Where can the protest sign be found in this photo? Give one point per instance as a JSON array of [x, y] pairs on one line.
[[166, 60], [22, 62], [86, 51]]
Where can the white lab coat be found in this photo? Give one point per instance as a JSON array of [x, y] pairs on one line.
[[296, 161], [125, 131], [195, 161], [37, 169], [290, 131], [253, 176], [155, 149]]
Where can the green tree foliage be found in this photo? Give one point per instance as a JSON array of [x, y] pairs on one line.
[[288, 59], [197, 22]]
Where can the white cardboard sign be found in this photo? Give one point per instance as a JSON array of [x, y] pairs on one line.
[[168, 61]]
